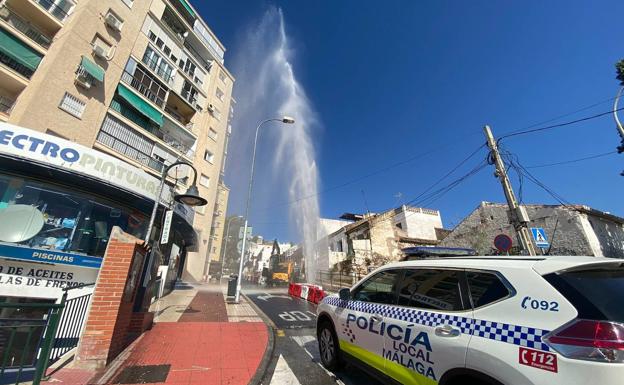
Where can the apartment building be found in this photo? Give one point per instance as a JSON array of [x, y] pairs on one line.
[[143, 81]]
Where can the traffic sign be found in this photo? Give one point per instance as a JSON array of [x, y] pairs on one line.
[[503, 242], [540, 237]]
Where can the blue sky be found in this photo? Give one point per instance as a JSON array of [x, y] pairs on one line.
[[390, 81]]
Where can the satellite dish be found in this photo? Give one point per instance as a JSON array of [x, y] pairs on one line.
[[19, 223]]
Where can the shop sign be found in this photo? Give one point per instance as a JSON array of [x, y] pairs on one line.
[[63, 154], [25, 279], [164, 239], [49, 256]]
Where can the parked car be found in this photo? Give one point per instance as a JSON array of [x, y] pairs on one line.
[[481, 320]]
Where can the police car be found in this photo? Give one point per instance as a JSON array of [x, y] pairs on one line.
[[481, 320]]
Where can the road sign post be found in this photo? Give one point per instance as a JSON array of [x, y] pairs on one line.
[[503, 243], [539, 235]]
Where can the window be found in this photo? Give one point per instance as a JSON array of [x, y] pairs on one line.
[[431, 289], [72, 105], [216, 113], [200, 209], [72, 221], [128, 2], [380, 288], [204, 180], [220, 94], [222, 76], [595, 291], [212, 134], [209, 156], [485, 288], [157, 64], [113, 20]]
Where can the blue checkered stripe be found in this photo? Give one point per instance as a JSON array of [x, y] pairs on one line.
[[497, 331]]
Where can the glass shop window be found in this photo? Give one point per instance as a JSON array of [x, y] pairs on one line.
[[42, 215]]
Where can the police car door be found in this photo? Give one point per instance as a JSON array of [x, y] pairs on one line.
[[360, 323], [428, 332]]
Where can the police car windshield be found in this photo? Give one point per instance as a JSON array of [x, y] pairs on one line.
[[597, 293]]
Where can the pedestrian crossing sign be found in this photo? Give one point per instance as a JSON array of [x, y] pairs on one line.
[[539, 235]]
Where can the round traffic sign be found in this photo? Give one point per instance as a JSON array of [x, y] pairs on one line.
[[503, 242]]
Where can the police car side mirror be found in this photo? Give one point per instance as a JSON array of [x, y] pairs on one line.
[[344, 294]]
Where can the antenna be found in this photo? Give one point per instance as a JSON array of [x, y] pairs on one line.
[[365, 203]]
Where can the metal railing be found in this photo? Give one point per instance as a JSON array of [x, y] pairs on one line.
[[27, 342], [120, 137], [25, 27], [175, 143], [335, 280], [137, 118], [146, 85], [53, 9], [15, 66], [72, 320]]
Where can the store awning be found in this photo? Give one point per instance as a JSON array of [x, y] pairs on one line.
[[188, 8], [93, 69], [141, 105], [19, 51]]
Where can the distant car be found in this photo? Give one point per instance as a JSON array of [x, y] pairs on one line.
[[481, 320]]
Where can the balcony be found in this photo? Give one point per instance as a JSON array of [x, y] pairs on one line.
[[6, 105], [60, 12], [121, 138], [146, 85], [188, 125], [179, 110], [206, 64], [18, 56], [178, 138], [20, 24], [175, 25], [135, 117]]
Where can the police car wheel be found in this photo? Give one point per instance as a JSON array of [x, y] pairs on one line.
[[328, 346]]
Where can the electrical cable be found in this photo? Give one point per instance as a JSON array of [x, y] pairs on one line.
[[573, 160], [523, 132]]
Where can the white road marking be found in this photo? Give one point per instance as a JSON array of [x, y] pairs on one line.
[[283, 375], [302, 341]]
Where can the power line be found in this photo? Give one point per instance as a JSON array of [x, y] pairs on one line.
[[523, 132], [572, 160]]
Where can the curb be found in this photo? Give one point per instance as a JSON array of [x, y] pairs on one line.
[[114, 367], [261, 372]]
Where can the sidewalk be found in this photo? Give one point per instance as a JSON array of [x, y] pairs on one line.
[[197, 338]]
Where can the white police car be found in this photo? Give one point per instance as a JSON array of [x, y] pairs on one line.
[[481, 320]]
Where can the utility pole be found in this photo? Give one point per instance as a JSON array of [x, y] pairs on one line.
[[518, 215]]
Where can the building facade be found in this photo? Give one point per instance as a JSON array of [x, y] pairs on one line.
[[371, 240], [571, 230], [143, 81]]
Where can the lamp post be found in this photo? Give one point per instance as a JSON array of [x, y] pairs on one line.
[[190, 198], [286, 120]]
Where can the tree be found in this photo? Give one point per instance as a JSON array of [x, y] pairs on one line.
[[619, 69]]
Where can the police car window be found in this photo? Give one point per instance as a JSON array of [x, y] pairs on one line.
[[485, 288], [431, 289], [380, 288]]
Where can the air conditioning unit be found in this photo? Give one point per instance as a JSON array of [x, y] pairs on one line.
[[83, 80], [100, 52], [4, 12], [113, 22]]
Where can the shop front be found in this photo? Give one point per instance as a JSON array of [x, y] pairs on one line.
[[58, 204]]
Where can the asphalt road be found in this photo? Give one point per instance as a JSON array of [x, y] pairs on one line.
[[295, 359]]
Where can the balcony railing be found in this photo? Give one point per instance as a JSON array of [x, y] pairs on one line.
[[6, 105], [146, 85], [124, 140], [15, 66], [178, 145], [25, 27], [53, 9]]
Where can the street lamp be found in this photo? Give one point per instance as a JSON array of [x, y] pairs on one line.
[[190, 197], [227, 236], [285, 120]]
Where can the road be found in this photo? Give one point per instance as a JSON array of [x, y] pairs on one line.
[[295, 359]]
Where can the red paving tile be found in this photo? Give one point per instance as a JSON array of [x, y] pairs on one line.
[[209, 353]]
